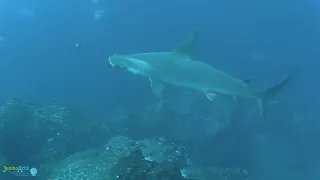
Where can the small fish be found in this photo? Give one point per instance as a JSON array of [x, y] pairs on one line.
[[78, 46]]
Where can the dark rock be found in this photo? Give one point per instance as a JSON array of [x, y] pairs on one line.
[[121, 159]]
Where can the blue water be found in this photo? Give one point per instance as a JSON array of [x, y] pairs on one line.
[[264, 40]]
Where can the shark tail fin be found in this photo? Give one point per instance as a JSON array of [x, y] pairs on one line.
[[269, 93], [187, 46]]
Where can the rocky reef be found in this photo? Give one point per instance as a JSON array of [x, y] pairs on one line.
[[136, 167], [121, 158], [64, 145], [43, 133]]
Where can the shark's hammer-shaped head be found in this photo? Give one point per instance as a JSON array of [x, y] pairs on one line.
[[129, 63]]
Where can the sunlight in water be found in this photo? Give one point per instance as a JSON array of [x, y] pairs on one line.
[[98, 14]]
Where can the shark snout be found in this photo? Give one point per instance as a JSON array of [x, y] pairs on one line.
[[111, 62], [117, 61]]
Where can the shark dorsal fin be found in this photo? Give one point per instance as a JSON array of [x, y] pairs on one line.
[[186, 47]]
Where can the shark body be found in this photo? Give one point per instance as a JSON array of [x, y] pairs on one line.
[[179, 68]]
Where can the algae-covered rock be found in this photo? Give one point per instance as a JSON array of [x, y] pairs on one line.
[[93, 164], [161, 150], [120, 159], [136, 167]]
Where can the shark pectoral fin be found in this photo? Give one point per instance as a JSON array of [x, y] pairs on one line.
[[211, 96], [157, 87]]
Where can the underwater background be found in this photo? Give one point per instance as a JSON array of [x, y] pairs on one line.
[[60, 96]]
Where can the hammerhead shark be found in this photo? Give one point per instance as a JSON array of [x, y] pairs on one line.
[[179, 68]]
